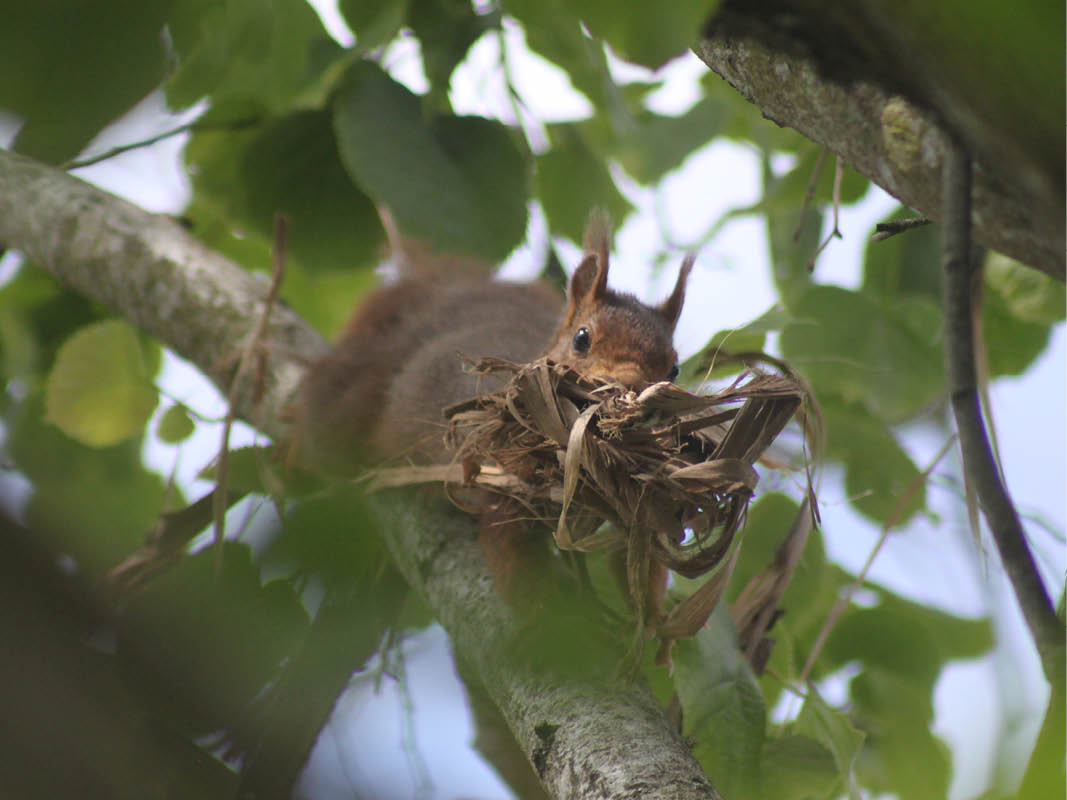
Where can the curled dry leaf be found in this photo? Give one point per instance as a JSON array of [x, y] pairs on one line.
[[672, 470]]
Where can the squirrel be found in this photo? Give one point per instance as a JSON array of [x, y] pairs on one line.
[[379, 394]]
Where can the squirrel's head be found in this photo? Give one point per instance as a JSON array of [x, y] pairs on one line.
[[613, 335]]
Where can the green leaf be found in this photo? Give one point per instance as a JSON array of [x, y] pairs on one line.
[[768, 521], [794, 222], [877, 470], [211, 638], [94, 505], [907, 639], [446, 29], [457, 183], [554, 31], [835, 732], [19, 353], [571, 180], [862, 349], [902, 646], [1020, 304], [1029, 294], [902, 756], [292, 167], [52, 312], [175, 425], [70, 69], [808, 598], [374, 22], [905, 264], [333, 535], [652, 145], [798, 768], [99, 391], [722, 707], [289, 166], [647, 34], [790, 252], [791, 189], [252, 57], [746, 339], [246, 469]]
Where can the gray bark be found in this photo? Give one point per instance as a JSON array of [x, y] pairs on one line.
[[896, 144], [585, 738], [148, 269]]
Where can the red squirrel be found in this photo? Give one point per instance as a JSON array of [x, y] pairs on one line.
[[380, 393]]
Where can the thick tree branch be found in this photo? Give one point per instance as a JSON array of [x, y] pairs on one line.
[[585, 738], [146, 268], [978, 462], [892, 141]]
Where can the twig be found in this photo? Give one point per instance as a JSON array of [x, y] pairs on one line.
[[124, 148], [757, 605], [809, 196], [163, 546], [846, 596], [979, 466], [222, 472], [885, 230], [839, 172], [518, 104]]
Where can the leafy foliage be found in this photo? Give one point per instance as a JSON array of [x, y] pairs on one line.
[[295, 123], [466, 168], [69, 71], [722, 707], [98, 392]]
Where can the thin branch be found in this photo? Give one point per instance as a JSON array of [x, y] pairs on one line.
[[885, 230], [846, 596], [163, 546], [809, 195], [835, 233], [978, 463], [252, 348], [195, 125]]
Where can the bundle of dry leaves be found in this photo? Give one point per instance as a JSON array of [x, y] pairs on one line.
[[672, 471]]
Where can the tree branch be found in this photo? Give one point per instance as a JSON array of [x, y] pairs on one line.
[[148, 269], [585, 738], [896, 144], [979, 465]]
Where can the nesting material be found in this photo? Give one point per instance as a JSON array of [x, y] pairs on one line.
[[676, 465], [672, 470]]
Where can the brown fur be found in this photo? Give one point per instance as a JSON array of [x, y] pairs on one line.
[[381, 391]]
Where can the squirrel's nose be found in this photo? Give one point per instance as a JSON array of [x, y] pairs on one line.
[[629, 374]]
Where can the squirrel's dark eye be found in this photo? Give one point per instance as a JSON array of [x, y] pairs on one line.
[[673, 373], [582, 341]]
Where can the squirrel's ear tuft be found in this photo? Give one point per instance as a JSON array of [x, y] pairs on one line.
[[597, 240], [589, 281], [671, 308]]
